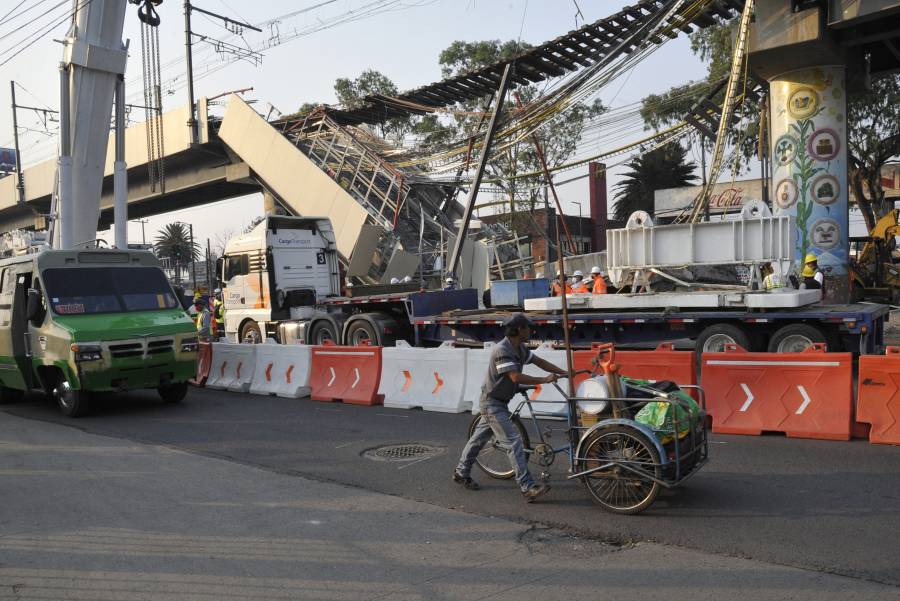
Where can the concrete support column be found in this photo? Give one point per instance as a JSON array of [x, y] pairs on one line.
[[808, 109]]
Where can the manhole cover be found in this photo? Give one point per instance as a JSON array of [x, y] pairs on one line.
[[402, 452]]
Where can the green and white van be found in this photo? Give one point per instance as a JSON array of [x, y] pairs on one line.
[[77, 322]]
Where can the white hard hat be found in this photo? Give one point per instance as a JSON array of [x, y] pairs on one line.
[[558, 273], [407, 279], [395, 280], [595, 269], [449, 280], [578, 273]]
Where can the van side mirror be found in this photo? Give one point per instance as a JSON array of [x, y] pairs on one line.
[[33, 307]]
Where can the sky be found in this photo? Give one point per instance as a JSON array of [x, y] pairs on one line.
[[403, 43]]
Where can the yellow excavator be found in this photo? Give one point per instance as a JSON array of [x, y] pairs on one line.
[[874, 273]]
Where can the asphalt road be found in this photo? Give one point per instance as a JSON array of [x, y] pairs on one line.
[[829, 507], [89, 517]]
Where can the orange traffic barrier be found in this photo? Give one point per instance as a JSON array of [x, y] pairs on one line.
[[878, 395], [204, 360], [664, 363], [804, 395], [350, 374]]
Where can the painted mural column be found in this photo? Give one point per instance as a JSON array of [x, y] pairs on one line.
[[809, 168]]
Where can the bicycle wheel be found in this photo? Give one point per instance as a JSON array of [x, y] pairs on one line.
[[618, 489], [493, 459]]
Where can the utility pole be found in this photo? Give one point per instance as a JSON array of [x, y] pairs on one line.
[[189, 60], [231, 25], [143, 222], [20, 181], [703, 175], [580, 229], [209, 266], [479, 173]]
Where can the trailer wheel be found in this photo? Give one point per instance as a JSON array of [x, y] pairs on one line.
[[322, 331], [361, 332], [796, 338], [173, 393], [714, 338], [250, 332]]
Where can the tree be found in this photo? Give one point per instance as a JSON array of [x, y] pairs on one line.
[[713, 46], [558, 136], [665, 167], [873, 139], [351, 92], [173, 242]]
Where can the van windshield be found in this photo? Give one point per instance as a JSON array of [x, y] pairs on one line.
[[92, 290]]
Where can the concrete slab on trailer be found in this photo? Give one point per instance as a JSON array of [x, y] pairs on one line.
[[682, 300]]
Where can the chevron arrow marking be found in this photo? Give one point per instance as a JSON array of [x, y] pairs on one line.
[[749, 400]]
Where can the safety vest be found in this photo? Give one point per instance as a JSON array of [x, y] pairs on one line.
[[203, 321], [557, 289], [599, 285], [218, 313], [580, 287]]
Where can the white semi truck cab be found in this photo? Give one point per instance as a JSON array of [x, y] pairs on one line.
[[280, 270]]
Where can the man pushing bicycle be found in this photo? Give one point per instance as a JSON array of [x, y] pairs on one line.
[[504, 377]]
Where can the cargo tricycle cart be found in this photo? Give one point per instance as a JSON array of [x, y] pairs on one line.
[[625, 438]]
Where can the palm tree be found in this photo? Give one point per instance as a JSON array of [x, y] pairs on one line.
[[174, 242], [665, 167]]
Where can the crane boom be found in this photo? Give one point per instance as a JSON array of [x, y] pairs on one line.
[[93, 60]]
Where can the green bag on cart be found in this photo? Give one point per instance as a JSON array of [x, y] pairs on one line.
[[660, 416]]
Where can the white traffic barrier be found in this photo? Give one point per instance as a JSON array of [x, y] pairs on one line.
[[545, 398], [282, 370], [433, 379], [244, 359], [476, 369], [221, 366]]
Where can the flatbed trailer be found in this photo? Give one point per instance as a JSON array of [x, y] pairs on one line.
[[858, 328]]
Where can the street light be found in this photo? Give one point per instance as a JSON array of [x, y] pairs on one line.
[[580, 227]]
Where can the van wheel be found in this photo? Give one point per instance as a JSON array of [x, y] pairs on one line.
[[10, 395], [72, 403], [250, 333], [173, 393]]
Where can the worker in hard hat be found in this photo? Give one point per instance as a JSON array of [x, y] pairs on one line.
[[218, 314], [395, 281], [450, 284], [560, 284], [579, 284], [407, 279], [771, 280], [599, 284], [813, 278]]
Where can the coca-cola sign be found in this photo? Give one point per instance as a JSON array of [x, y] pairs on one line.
[[725, 197]]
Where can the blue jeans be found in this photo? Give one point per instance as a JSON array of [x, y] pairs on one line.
[[496, 420]]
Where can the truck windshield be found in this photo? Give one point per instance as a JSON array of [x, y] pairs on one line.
[[92, 290]]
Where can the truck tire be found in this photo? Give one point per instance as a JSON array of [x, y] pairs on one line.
[[250, 333], [714, 338], [321, 331], [10, 395], [796, 338], [72, 403], [360, 331], [173, 393]]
